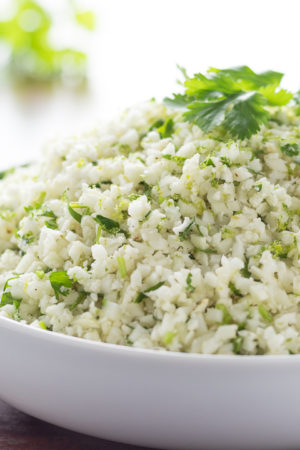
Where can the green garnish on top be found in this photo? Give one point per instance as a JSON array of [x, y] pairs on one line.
[[235, 98]]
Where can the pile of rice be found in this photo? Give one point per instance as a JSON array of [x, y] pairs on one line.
[[165, 237]]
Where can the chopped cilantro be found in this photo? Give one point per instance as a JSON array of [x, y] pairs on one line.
[[189, 287], [7, 298], [227, 233], [177, 159], [234, 289], [147, 189], [60, 282], [207, 162], [167, 129], [237, 345], [265, 314], [258, 187], [245, 270], [290, 149], [164, 127], [74, 205], [227, 319], [184, 234], [226, 161], [109, 225], [209, 251], [132, 197], [51, 223], [143, 295], [82, 296]]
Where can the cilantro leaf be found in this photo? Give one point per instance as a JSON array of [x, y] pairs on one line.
[[60, 282], [235, 98], [246, 116]]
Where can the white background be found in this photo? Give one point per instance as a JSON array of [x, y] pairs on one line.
[[133, 56]]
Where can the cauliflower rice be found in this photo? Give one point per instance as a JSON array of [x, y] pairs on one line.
[[149, 233]]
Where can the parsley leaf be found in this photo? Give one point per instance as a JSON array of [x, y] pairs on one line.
[[235, 98]]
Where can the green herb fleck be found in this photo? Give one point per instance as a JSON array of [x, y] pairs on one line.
[[82, 296], [143, 295], [234, 289], [184, 234], [60, 282], [122, 266], [189, 287], [109, 225], [265, 314], [168, 337], [290, 149], [227, 319]]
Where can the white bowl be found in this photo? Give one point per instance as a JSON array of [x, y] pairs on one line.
[[151, 398]]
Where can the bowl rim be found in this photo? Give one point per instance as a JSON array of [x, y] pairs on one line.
[[123, 350]]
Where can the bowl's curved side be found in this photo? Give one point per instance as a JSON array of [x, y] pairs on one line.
[[150, 398]]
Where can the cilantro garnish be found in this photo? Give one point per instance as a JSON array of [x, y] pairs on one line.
[[60, 282], [235, 98]]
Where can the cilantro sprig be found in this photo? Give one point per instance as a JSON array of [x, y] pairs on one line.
[[236, 98]]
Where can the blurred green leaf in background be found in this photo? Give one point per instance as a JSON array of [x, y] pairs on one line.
[[32, 56]]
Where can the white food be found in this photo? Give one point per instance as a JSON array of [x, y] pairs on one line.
[[203, 255]]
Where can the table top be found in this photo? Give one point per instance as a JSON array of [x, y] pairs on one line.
[[18, 431]]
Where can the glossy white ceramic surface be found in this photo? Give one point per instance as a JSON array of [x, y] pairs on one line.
[[150, 398]]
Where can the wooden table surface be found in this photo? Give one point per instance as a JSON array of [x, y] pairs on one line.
[[19, 431]]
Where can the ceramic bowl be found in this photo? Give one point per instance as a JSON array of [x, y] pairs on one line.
[[151, 398]]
